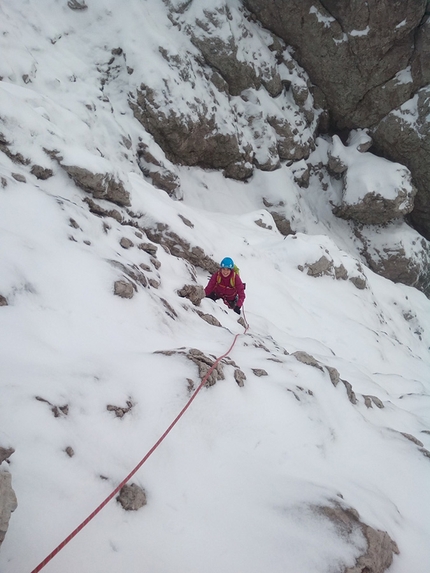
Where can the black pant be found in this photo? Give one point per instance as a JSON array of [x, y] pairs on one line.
[[231, 303]]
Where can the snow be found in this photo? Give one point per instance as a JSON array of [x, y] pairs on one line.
[[235, 485], [359, 33], [322, 18], [404, 76]]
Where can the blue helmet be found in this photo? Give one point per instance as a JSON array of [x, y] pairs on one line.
[[227, 263]]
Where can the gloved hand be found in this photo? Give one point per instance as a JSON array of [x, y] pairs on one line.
[[237, 309]]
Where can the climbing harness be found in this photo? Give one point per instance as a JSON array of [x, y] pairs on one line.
[[143, 460]]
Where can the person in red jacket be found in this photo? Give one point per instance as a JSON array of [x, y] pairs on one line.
[[227, 284]]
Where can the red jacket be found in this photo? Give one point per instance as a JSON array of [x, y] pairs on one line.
[[222, 287]]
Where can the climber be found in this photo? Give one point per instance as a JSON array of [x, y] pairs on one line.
[[227, 284]]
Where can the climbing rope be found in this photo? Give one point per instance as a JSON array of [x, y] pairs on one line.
[[143, 460]]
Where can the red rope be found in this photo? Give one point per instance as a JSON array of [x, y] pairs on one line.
[[139, 465]]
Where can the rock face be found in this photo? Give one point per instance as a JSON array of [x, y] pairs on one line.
[[370, 64], [361, 54], [228, 126], [404, 136], [8, 502]]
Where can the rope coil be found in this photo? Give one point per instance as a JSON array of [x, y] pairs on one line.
[[73, 534]]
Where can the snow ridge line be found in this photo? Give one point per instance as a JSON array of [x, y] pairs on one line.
[[143, 460]]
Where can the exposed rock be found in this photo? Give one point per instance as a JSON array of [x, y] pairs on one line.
[[100, 185], [412, 439], [402, 258], [291, 145], [380, 548], [126, 243], [98, 210], [350, 392], [58, 411], [8, 502], [186, 221], [301, 173], [120, 411], [240, 377], [282, 224], [209, 319], [170, 311], [259, 372], [262, 224], [334, 375], [3, 300], [357, 51], [191, 140], [404, 136], [220, 51], [323, 266], [178, 247], [19, 177], [306, 358], [132, 497], [75, 5], [42, 173], [203, 362], [70, 451], [370, 400], [160, 175], [375, 209], [131, 271], [5, 454], [359, 282], [148, 248], [124, 289], [17, 158], [326, 267], [194, 293]]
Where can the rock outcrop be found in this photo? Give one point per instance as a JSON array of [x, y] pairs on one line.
[[404, 136], [8, 501], [253, 108], [362, 55]]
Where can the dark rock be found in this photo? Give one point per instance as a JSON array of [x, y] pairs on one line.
[[352, 51], [189, 141], [98, 210], [282, 224], [404, 136], [209, 318], [380, 548], [393, 263], [126, 243], [75, 5], [120, 411], [124, 289], [42, 173], [132, 497], [161, 177], [8, 502], [194, 293], [100, 185], [19, 177], [5, 453], [259, 372], [240, 377]]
